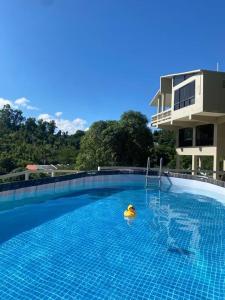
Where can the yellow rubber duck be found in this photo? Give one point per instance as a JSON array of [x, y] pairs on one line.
[[130, 212]]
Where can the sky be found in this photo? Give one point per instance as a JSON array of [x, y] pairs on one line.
[[80, 61]]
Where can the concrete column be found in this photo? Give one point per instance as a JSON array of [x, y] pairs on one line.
[[27, 176], [178, 162], [177, 138], [194, 137], [194, 165], [52, 174], [224, 165], [158, 107], [200, 162], [215, 135], [216, 166], [216, 162], [162, 102]]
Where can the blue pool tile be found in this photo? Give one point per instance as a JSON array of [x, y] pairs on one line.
[[80, 247]]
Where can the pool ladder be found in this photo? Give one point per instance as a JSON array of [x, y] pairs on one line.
[[150, 180]]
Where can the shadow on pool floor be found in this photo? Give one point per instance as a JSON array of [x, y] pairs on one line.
[[23, 218]]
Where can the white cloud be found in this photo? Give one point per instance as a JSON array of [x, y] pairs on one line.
[[5, 102], [30, 107], [24, 102], [45, 117], [18, 103], [70, 126], [58, 114]]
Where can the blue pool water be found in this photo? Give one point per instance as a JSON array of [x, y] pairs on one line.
[[80, 247]]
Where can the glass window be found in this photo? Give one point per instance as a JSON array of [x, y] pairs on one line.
[[180, 78], [184, 96], [204, 135], [186, 137], [176, 99]]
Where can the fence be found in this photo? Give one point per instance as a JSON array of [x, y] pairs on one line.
[[25, 175]]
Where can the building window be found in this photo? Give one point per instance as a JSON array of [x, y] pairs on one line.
[[204, 135], [184, 96], [186, 137], [180, 78]]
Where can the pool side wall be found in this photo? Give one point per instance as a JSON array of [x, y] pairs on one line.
[[27, 191]]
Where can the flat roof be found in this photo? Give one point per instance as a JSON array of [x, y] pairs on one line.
[[190, 72]]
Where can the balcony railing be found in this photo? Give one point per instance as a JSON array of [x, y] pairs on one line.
[[161, 117]]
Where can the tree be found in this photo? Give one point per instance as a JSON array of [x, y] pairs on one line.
[[109, 143], [164, 146], [127, 142], [24, 141], [139, 140], [10, 119], [92, 154], [6, 164]]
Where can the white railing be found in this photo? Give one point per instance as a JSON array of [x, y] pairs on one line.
[[160, 170], [26, 174], [161, 117]]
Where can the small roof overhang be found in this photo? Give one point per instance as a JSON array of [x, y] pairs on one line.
[[154, 100]]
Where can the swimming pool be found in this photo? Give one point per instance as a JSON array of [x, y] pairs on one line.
[[77, 245]]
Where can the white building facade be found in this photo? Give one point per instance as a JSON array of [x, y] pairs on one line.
[[193, 105]]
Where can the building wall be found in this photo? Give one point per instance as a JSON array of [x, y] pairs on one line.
[[214, 93], [198, 151], [191, 109], [219, 142]]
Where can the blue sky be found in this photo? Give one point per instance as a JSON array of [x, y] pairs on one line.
[[95, 59]]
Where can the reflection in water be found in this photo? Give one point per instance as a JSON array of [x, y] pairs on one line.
[[129, 221], [175, 229]]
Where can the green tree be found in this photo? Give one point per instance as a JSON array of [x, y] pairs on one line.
[[6, 164], [10, 119], [138, 139], [126, 142], [109, 143], [24, 141], [165, 147]]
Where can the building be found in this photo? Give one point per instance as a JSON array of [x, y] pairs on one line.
[[193, 104]]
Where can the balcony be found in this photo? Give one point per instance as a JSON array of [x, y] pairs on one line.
[[162, 117]]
